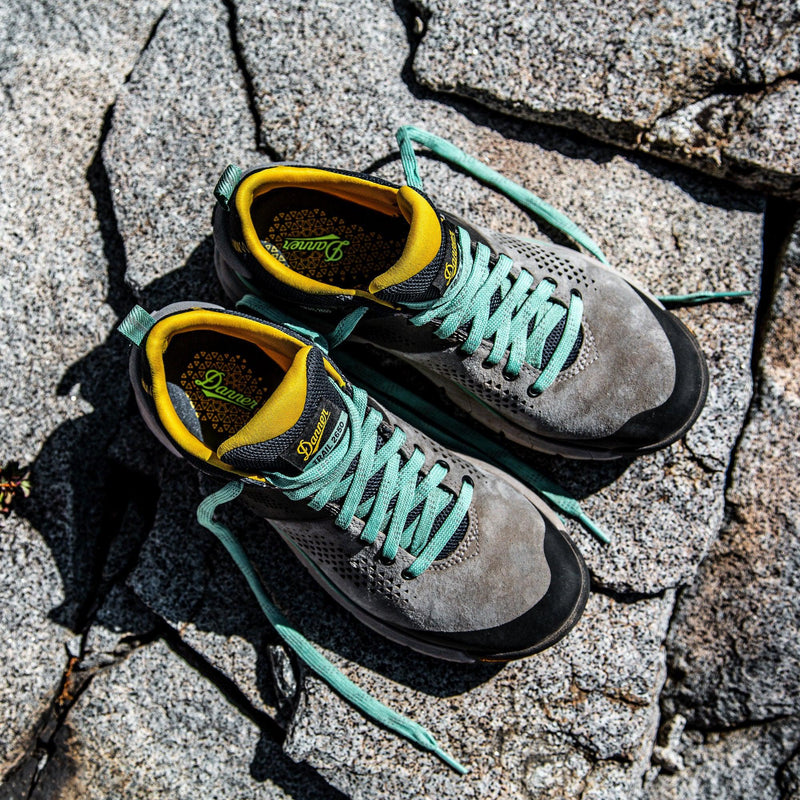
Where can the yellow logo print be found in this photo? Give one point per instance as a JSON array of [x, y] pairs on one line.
[[308, 447], [451, 267]]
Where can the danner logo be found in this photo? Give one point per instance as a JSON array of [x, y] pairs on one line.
[[308, 447], [330, 245], [452, 265], [212, 386]]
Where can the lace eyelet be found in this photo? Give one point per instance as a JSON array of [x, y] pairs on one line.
[[407, 576], [533, 392], [486, 364], [382, 559], [507, 376]]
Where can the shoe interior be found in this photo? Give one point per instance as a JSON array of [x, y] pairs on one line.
[[218, 382], [327, 238]]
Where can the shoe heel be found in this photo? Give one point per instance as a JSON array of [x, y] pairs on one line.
[[229, 279]]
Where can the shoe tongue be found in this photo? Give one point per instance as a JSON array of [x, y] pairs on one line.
[[430, 258], [302, 420]]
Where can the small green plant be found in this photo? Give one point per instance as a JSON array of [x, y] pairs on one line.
[[13, 482]]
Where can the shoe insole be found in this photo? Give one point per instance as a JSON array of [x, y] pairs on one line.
[[326, 238], [218, 382]]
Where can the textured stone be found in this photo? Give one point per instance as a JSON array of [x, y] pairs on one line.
[[168, 144], [713, 85], [734, 644], [739, 765], [187, 579], [577, 719], [31, 641], [60, 388], [151, 727]]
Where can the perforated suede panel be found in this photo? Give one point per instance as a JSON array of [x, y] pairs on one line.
[[558, 266], [369, 574]]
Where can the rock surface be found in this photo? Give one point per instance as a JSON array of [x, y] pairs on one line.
[[141, 661], [739, 765], [712, 85], [58, 81], [734, 647], [575, 721], [123, 740], [169, 143]]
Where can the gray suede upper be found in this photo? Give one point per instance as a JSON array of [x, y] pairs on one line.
[[625, 365], [496, 574]]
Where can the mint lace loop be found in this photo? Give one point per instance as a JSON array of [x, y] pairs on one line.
[[453, 155], [401, 489], [467, 302]]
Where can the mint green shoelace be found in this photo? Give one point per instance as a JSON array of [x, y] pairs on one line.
[[467, 301], [325, 481], [314, 660], [430, 419], [469, 164]]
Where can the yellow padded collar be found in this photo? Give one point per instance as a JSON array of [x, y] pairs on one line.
[[281, 411], [280, 346], [422, 245]]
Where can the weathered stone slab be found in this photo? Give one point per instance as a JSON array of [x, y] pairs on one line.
[[743, 764], [712, 85], [168, 144], [60, 67], [151, 727], [577, 720], [186, 578], [734, 643], [33, 644]]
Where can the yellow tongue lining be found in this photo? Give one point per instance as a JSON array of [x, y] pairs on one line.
[[423, 243], [280, 412], [425, 230]]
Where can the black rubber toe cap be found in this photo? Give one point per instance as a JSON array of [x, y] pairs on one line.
[[544, 624]]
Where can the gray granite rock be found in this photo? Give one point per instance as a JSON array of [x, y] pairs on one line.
[[32, 642], [60, 388], [575, 721], [738, 765], [734, 644], [151, 727], [789, 778], [185, 578], [178, 122], [712, 85]]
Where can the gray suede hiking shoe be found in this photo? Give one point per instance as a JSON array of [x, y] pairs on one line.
[[432, 549], [541, 343]]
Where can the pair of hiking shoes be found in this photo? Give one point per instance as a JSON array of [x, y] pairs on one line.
[[549, 346]]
